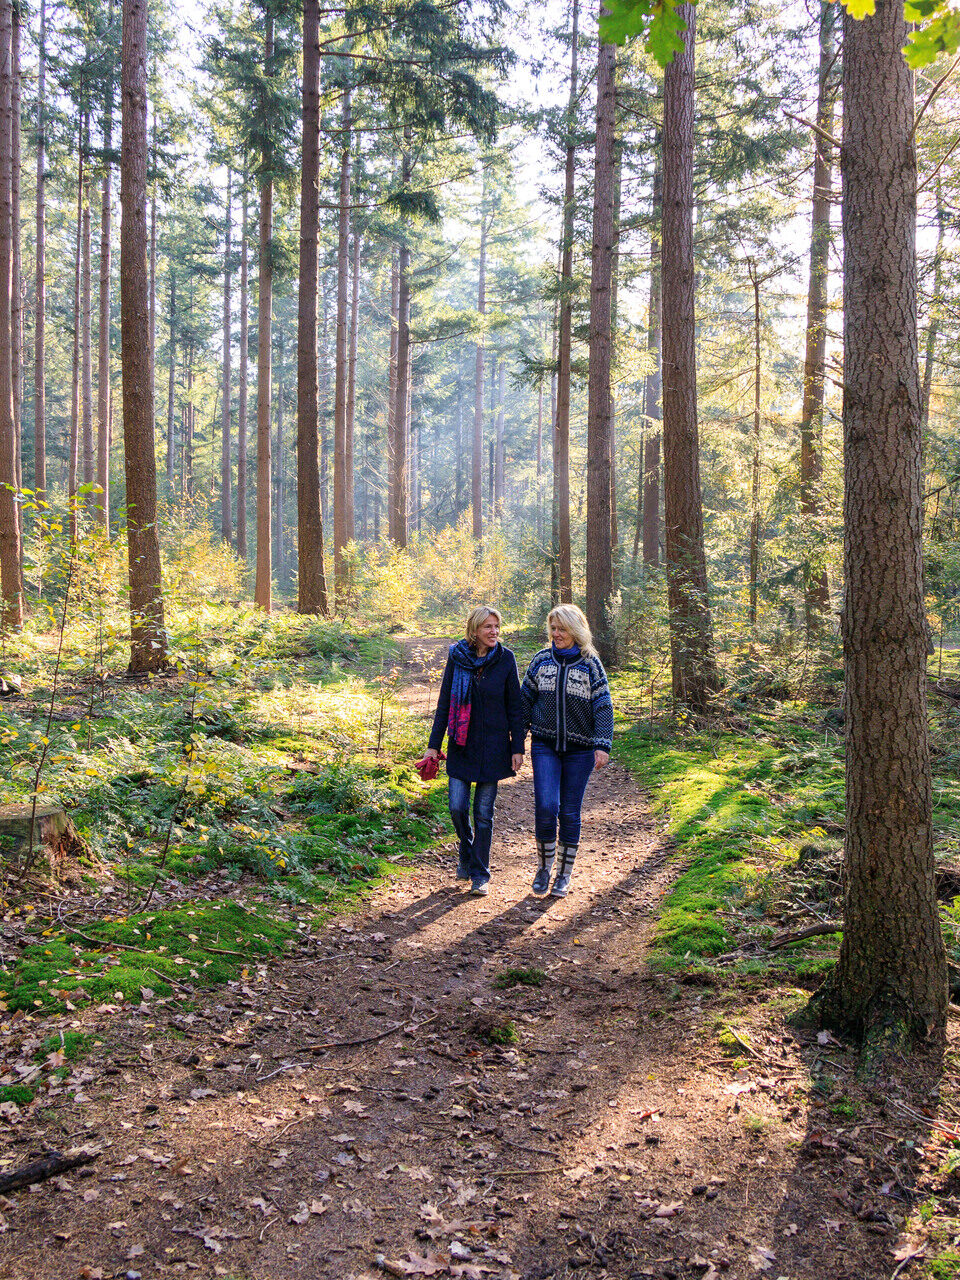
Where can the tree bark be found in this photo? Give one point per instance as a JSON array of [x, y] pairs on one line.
[[74, 464], [102, 505], [499, 462], [691, 632], [263, 587], [477, 450], [816, 592], [10, 578], [400, 513], [226, 497], [40, 288], [599, 558], [147, 633], [652, 386], [171, 383], [340, 360], [755, 467], [86, 349], [243, 377], [890, 984], [349, 479], [311, 581], [935, 314], [565, 338], [16, 314]]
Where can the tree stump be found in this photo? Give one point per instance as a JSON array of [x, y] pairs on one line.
[[55, 839]]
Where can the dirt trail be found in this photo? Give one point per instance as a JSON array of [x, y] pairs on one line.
[[339, 1115]]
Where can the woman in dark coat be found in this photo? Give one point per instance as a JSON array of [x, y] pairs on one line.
[[480, 710]]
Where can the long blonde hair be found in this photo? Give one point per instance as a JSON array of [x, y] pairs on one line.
[[477, 617], [575, 621]]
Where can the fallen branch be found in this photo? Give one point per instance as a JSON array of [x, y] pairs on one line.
[[814, 931], [49, 1167], [381, 1035]]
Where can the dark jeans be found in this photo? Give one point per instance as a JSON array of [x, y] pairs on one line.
[[559, 780], [475, 841]]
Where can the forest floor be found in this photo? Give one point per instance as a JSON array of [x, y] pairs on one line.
[[443, 1085]]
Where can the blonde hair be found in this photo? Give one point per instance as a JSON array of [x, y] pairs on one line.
[[575, 621], [477, 617]]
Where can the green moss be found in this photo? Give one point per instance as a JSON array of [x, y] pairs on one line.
[[73, 1043], [21, 1094], [520, 977]]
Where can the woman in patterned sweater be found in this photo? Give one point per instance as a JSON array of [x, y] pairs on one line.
[[566, 700]]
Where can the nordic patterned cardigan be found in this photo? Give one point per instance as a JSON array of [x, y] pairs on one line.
[[566, 702]]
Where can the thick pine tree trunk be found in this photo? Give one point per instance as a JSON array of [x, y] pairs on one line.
[[816, 592], [599, 560], [890, 984], [40, 287], [565, 337], [691, 632], [243, 376], [263, 586], [16, 318], [311, 582], [10, 581], [147, 634], [226, 497], [340, 360], [102, 504]]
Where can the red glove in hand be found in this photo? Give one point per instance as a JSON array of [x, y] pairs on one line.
[[429, 766]]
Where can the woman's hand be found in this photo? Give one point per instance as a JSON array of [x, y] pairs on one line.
[[516, 762], [600, 758], [431, 753]]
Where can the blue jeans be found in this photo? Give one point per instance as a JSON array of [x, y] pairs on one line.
[[559, 780], [475, 840]]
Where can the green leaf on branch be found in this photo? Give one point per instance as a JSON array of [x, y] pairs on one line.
[[860, 8], [656, 20], [936, 39]]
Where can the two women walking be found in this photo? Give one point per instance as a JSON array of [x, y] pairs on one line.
[[564, 702]]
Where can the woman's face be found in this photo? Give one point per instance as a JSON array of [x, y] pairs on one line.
[[560, 636], [488, 632]]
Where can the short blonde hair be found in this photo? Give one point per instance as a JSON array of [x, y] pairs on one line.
[[477, 617], [575, 621]]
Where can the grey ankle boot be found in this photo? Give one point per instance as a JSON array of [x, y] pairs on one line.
[[545, 853], [568, 856]]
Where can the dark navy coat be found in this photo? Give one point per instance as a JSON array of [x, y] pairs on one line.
[[497, 728]]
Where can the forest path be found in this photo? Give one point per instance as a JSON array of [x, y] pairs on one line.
[[339, 1114]]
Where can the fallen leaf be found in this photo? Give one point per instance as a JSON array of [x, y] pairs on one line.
[[668, 1210], [301, 1216], [135, 1251], [213, 1245]]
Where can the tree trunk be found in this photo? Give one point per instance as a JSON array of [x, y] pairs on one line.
[[349, 441], [171, 384], [691, 631], [599, 558], [226, 498], [74, 464], [498, 474], [755, 466], [340, 360], [147, 633], [153, 245], [102, 505], [189, 416], [86, 350], [402, 414], [10, 579], [278, 467], [262, 595], [40, 289], [243, 378], [311, 581], [565, 339], [890, 984], [16, 315], [816, 590], [651, 401], [477, 451], [936, 309], [392, 390], [323, 376]]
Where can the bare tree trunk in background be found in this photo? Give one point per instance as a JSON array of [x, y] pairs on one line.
[[10, 577], [279, 468], [311, 580], [226, 497], [614, 284], [890, 983], [936, 309], [755, 442], [263, 587], [651, 403], [562, 426], [189, 415], [73, 469], [243, 377], [171, 386], [325, 401], [40, 290], [498, 470], [691, 631], [599, 557], [816, 588], [392, 389], [16, 321], [477, 449], [349, 480], [148, 644], [153, 244], [400, 513], [86, 353], [102, 504], [340, 360]]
